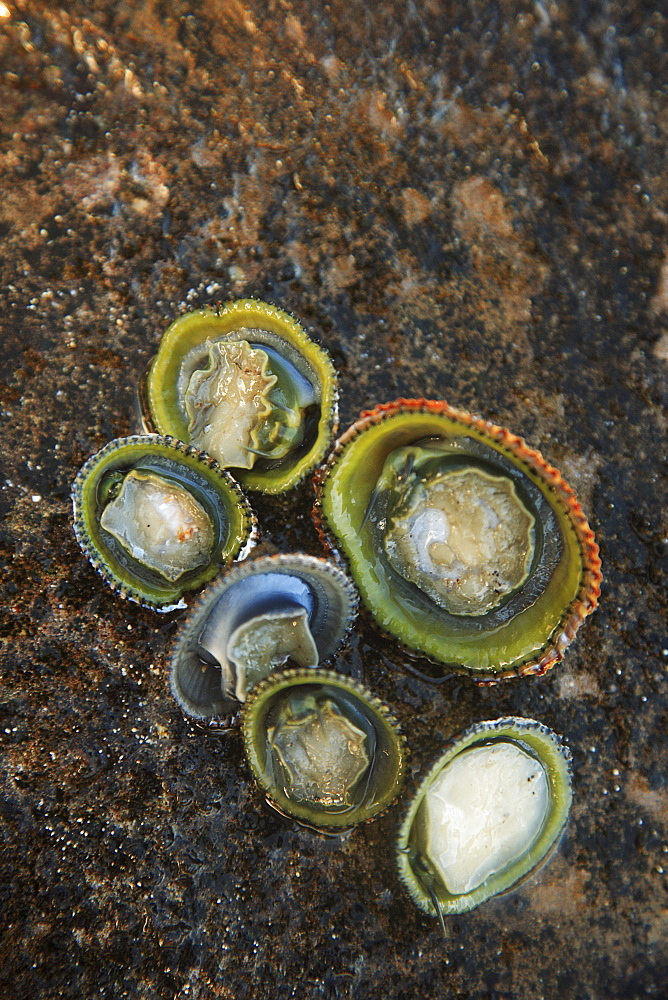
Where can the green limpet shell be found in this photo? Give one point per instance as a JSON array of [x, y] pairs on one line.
[[244, 383], [464, 543], [325, 750], [156, 518], [486, 815]]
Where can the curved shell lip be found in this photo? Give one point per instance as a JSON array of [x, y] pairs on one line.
[[394, 754], [587, 596], [242, 535], [291, 564], [160, 393], [556, 760]]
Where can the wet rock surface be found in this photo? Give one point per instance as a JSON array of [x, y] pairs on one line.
[[464, 201]]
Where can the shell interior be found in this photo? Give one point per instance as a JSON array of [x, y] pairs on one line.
[[261, 614], [245, 383], [463, 542], [486, 815], [485, 809], [325, 750]]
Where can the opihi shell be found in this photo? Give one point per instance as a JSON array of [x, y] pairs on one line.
[[244, 383], [260, 614], [485, 816], [324, 749], [464, 543], [156, 518]]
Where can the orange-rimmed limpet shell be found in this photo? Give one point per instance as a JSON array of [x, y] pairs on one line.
[[464, 542]]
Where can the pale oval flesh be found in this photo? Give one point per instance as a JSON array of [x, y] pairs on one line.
[[268, 641], [226, 402], [160, 524], [322, 752], [483, 812], [466, 540]]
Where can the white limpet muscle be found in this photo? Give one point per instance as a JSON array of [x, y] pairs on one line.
[[226, 402], [466, 539], [484, 811], [160, 524], [267, 641], [323, 753]]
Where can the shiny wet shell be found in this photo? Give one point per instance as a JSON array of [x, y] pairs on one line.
[[534, 620], [324, 749], [303, 377], [194, 479], [312, 600], [498, 856]]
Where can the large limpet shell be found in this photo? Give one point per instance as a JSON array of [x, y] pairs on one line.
[[156, 518], [243, 382], [325, 750], [464, 542], [486, 815], [260, 614]]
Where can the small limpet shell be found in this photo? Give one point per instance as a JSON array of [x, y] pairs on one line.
[[464, 542], [261, 613], [486, 815], [243, 382], [156, 518], [324, 749]]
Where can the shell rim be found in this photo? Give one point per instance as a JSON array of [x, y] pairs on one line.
[[296, 336], [468, 737], [584, 602], [342, 822], [249, 527]]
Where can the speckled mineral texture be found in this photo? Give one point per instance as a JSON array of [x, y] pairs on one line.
[[461, 200]]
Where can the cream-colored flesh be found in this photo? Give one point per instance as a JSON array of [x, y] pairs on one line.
[[483, 812], [267, 641], [466, 540], [324, 754], [160, 524], [226, 402]]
